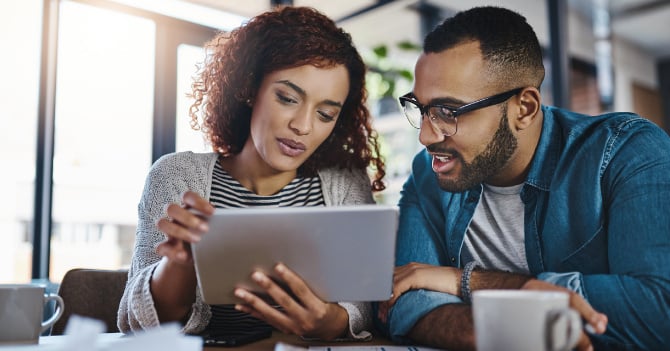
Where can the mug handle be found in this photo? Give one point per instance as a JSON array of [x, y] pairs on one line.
[[572, 332], [58, 310]]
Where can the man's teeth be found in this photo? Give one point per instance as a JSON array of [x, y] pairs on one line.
[[443, 158]]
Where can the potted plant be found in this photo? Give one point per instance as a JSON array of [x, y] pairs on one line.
[[384, 75]]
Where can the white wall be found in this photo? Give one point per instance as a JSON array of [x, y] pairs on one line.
[[631, 64]]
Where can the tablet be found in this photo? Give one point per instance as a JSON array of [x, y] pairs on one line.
[[344, 253]]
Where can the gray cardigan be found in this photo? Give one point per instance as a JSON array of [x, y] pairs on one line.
[[172, 175]]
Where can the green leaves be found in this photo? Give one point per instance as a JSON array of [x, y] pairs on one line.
[[383, 73]]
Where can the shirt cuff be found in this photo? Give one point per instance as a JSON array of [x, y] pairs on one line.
[[412, 306], [570, 280]]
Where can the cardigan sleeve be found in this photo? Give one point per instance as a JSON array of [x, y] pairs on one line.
[[168, 178]]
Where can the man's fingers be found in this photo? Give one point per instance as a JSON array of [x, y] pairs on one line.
[[584, 343], [596, 320]]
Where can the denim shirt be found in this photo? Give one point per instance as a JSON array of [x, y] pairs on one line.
[[596, 221]]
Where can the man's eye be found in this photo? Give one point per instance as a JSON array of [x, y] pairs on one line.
[[441, 112]]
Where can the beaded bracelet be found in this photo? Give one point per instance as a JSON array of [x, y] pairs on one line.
[[465, 281]]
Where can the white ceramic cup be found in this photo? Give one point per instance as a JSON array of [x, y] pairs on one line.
[[524, 320], [22, 313]]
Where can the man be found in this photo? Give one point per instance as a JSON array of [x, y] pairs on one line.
[[532, 197]]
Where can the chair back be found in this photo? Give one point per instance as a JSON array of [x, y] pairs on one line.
[[93, 293]]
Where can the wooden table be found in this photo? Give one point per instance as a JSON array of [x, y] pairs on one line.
[[55, 342], [269, 343]]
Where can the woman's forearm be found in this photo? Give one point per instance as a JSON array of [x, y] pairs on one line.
[[173, 289]]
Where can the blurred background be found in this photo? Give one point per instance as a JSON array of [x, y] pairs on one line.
[[93, 91]]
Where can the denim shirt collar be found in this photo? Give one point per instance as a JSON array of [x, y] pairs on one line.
[[547, 154]]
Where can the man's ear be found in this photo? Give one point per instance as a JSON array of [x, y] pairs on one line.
[[529, 101]]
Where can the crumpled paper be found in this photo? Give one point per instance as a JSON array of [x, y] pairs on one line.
[[86, 334]]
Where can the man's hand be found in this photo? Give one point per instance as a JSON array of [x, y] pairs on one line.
[[414, 276], [596, 320]]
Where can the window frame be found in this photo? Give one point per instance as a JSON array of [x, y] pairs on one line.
[[170, 33]]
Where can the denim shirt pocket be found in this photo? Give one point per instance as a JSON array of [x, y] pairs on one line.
[[590, 256]]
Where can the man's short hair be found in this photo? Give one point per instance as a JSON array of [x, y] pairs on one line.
[[507, 42]]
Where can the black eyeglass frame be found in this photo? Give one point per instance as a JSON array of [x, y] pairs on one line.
[[455, 112]]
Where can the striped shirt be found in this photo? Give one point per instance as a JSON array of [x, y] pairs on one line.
[[227, 192]]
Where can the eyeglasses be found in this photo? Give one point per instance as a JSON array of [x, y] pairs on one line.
[[443, 117]]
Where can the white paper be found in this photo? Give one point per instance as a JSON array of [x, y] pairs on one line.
[[85, 334], [362, 347], [371, 348]]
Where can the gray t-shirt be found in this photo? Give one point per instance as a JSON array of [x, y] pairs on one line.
[[495, 237]]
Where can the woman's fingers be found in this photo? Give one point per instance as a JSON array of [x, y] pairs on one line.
[[176, 230], [298, 288], [280, 296], [187, 218], [301, 312], [259, 308], [182, 225], [175, 250], [194, 201]]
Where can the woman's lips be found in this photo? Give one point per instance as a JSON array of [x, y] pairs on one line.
[[291, 147], [443, 163]]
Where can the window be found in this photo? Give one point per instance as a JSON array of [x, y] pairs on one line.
[[189, 57], [20, 38], [103, 138]]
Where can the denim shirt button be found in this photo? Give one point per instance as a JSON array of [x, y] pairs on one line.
[[453, 259], [471, 199]]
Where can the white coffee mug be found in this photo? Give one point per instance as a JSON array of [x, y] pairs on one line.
[[524, 320], [22, 313]]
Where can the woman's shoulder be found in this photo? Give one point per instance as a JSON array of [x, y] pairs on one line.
[[342, 174], [343, 186], [185, 159], [185, 162]]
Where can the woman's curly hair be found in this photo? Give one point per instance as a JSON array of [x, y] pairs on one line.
[[284, 38]]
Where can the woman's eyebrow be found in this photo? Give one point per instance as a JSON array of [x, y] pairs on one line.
[[302, 92], [293, 86]]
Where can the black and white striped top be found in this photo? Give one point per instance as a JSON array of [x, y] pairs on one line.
[[227, 192]]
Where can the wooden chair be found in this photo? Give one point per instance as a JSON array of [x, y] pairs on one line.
[[93, 293]]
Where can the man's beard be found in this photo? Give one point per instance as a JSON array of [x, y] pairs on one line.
[[486, 164]]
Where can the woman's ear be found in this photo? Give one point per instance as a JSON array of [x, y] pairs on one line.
[[530, 101]]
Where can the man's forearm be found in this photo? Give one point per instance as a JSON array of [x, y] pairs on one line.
[[448, 327], [486, 279]]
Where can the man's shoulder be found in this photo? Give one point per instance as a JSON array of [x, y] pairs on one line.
[[615, 121], [602, 139]]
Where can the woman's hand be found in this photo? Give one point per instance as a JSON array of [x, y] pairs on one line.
[[184, 224], [173, 282], [303, 313], [414, 276]]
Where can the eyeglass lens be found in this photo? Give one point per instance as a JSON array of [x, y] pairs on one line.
[[439, 116]]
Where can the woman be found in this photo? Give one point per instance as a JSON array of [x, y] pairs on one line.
[[283, 105]]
